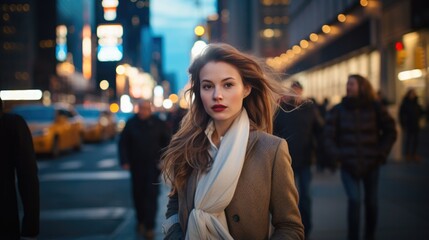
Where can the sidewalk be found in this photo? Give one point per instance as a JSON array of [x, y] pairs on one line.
[[403, 203]]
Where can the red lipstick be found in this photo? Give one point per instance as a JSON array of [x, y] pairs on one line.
[[218, 107]]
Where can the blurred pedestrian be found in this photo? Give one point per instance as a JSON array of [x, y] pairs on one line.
[[381, 98], [230, 178], [322, 160], [140, 146], [301, 125], [359, 134], [410, 113], [18, 168], [324, 107]]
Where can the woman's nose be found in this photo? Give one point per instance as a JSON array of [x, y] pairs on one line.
[[217, 94]]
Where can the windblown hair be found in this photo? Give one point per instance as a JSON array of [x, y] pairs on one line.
[[366, 92], [188, 148]]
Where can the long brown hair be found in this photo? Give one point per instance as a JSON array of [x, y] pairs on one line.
[[366, 92], [188, 148]]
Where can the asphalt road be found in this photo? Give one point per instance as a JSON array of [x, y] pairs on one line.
[[84, 194]]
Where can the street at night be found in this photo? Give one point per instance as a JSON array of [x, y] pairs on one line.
[[283, 119], [85, 195]]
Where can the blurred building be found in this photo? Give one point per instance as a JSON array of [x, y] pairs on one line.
[[42, 47], [139, 68], [68, 47], [27, 44], [259, 27], [386, 41], [329, 41], [74, 50], [121, 41], [404, 47]]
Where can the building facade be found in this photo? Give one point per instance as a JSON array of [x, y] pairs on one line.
[[27, 44], [57, 46], [257, 27], [330, 40]]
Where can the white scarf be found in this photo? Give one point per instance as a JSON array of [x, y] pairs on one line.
[[216, 188]]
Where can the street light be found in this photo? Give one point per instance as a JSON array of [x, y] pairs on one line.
[[197, 49], [104, 86], [199, 31]]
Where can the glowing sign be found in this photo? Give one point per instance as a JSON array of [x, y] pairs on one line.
[[109, 8], [30, 94], [86, 52], [61, 47], [109, 42]]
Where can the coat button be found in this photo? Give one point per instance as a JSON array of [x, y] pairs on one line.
[[236, 218]]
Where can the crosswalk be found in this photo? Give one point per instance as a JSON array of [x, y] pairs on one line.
[[102, 164], [71, 165], [74, 169], [107, 163], [85, 213], [85, 176]]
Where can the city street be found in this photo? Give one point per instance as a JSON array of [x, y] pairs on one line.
[[76, 71], [86, 196]]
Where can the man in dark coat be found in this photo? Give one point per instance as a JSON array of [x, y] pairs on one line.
[[140, 146], [18, 163], [300, 123]]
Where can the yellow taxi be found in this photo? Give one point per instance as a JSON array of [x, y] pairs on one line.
[[100, 123], [54, 128]]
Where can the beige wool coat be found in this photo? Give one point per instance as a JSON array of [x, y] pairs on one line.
[[265, 202]]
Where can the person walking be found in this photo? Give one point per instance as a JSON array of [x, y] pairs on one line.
[[359, 133], [301, 125], [230, 178], [140, 145], [410, 113], [18, 171]]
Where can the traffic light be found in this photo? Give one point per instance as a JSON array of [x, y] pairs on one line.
[[400, 53]]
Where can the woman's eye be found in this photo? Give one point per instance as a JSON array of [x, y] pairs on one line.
[[228, 85], [206, 86]]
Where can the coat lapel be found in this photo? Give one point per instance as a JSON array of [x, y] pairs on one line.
[[253, 137]]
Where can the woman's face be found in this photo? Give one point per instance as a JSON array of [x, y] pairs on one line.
[[222, 91], [352, 87]]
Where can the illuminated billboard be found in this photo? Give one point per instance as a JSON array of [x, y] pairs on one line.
[[109, 42], [61, 46]]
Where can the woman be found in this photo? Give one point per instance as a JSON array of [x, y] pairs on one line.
[[410, 113], [230, 177], [360, 134]]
